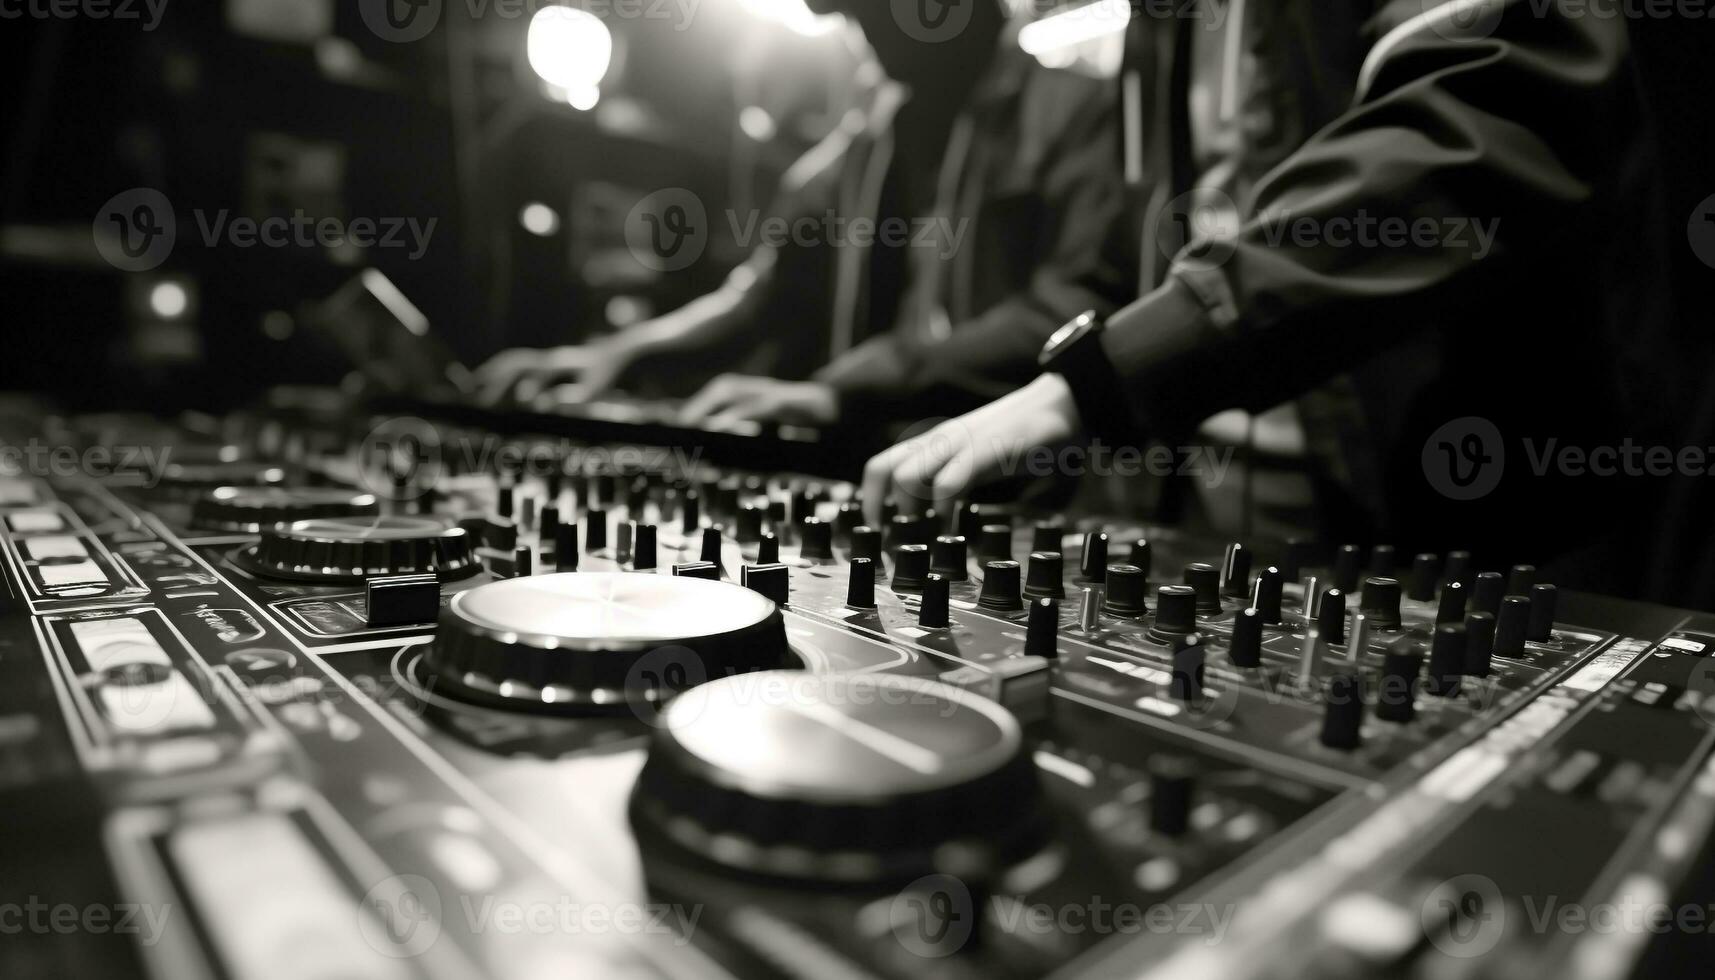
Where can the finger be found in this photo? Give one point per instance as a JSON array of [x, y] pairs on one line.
[[500, 385], [714, 397], [877, 478]]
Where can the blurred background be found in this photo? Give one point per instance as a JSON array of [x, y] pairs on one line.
[[508, 138]]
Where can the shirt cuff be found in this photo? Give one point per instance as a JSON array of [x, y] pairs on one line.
[[1166, 351]]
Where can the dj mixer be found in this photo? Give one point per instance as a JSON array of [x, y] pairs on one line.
[[294, 696]]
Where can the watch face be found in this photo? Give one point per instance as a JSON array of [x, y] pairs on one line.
[[1070, 331]]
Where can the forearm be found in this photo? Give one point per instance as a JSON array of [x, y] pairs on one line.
[[712, 319]]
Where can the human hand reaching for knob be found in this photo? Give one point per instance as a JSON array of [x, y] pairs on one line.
[[934, 468], [733, 398], [523, 373]]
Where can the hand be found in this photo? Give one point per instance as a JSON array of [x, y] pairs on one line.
[[734, 398], [522, 373], [938, 466]]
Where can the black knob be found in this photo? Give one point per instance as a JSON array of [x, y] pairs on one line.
[[1042, 634], [860, 587], [767, 548], [995, 544], [1348, 564], [500, 534], [1093, 563], [1343, 711], [711, 551], [595, 529], [850, 515], [1512, 624], [1382, 561], [1000, 586], [1479, 643], [697, 569], [1246, 649], [815, 539], [777, 518], [1452, 606], [1236, 571], [1300, 554], [1045, 576], [1396, 692], [1543, 599], [1269, 586], [545, 524], [1458, 568], [947, 557], [1331, 617], [932, 612], [503, 498], [910, 567], [1206, 580], [637, 498], [1520, 579], [1487, 592], [1381, 602], [1171, 783], [1186, 684], [1175, 612], [1126, 587], [902, 530], [1141, 556], [643, 547], [749, 523], [1425, 576], [1447, 660], [803, 506], [521, 563], [566, 547], [1048, 536], [690, 512], [866, 542], [773, 581]]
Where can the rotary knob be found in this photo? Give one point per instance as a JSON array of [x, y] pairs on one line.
[[351, 549], [848, 778], [251, 509], [599, 642]]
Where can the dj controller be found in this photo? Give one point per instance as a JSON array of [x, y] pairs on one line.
[[284, 695]]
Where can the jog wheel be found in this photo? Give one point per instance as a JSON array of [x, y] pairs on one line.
[[852, 779], [599, 642], [255, 508], [346, 550]]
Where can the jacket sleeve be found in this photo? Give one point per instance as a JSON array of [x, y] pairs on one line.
[[994, 352], [1461, 154]]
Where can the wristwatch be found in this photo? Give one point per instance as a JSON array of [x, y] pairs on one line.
[[1075, 353]]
